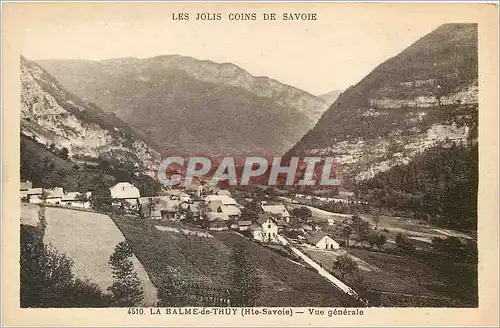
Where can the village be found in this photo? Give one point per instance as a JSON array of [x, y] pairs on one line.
[[208, 207]]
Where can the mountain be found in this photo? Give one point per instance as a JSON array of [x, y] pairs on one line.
[[196, 106], [424, 96], [330, 97], [63, 123]]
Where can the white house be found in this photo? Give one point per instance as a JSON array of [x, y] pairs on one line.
[[277, 210], [35, 195], [77, 199], [55, 196], [226, 200], [24, 188], [266, 229], [231, 211], [179, 195], [323, 241], [223, 192], [125, 191]]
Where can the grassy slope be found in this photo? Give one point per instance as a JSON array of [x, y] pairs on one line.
[[408, 282], [206, 260], [300, 286]]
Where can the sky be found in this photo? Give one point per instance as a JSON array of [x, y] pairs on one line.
[[337, 50]]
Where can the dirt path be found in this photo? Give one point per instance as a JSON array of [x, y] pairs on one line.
[[334, 280]]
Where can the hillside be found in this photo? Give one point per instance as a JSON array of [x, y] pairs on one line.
[[53, 117], [195, 106], [438, 186], [424, 96], [205, 261], [330, 97]]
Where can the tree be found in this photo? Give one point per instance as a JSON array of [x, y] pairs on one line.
[[382, 239], [346, 233], [303, 213], [46, 277], [64, 154], [361, 228], [377, 240], [245, 282], [404, 244], [376, 219], [126, 289], [345, 265], [101, 198]]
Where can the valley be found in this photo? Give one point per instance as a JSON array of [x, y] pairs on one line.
[[399, 231]]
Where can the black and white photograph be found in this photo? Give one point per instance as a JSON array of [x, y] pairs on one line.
[[180, 157]]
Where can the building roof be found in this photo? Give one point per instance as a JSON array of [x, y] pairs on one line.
[[223, 192], [26, 185], [226, 200], [121, 185], [264, 217], [57, 192], [245, 223], [317, 237], [178, 193], [74, 196], [276, 209], [230, 210], [281, 223], [255, 227], [214, 216], [214, 205], [132, 191], [35, 191]]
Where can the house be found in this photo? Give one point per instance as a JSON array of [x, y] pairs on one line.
[[217, 221], [244, 225], [223, 192], [35, 195], [267, 230], [25, 186], [306, 227], [76, 199], [232, 211], [323, 241], [170, 209], [192, 209], [226, 200], [125, 191], [179, 195], [330, 221], [54, 196], [256, 231], [277, 210]]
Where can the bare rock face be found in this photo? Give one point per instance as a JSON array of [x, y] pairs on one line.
[[423, 97], [55, 117]]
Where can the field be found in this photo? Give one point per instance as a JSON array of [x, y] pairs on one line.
[[89, 240], [288, 284], [207, 260], [403, 281]]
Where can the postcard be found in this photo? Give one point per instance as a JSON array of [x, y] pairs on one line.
[[250, 164]]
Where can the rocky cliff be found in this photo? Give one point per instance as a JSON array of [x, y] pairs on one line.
[[426, 95], [54, 117]]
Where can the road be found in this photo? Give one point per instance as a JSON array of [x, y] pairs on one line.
[[337, 282]]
